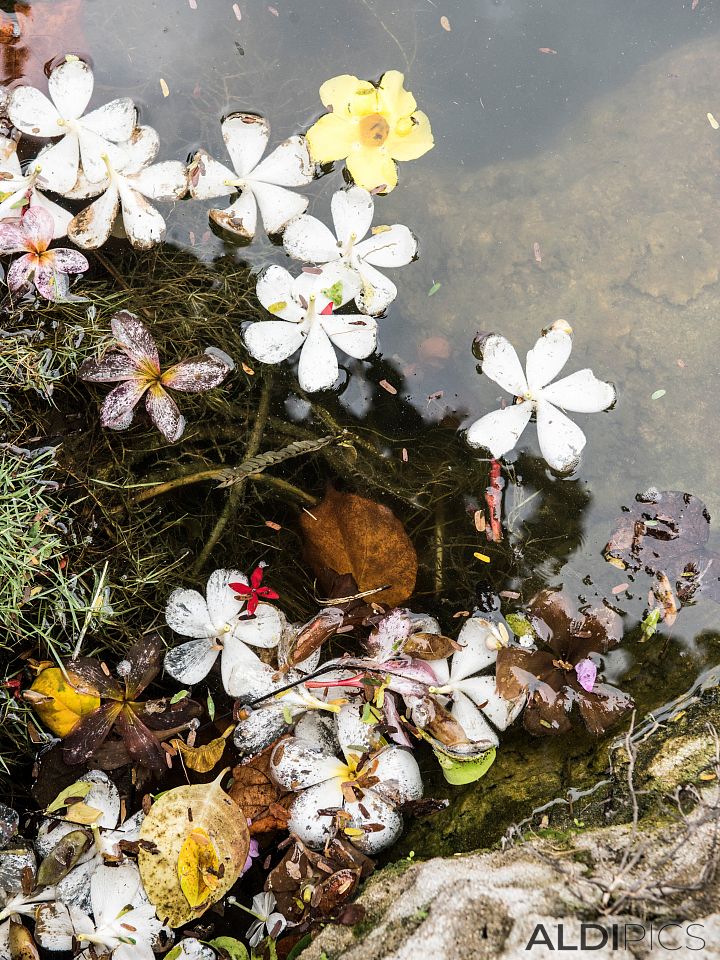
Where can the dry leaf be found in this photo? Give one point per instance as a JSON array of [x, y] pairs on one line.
[[173, 817], [202, 759], [445, 24], [21, 945], [352, 535], [58, 705], [198, 867], [258, 796]]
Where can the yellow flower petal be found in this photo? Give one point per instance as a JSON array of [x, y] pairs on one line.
[[415, 142], [372, 167], [332, 138], [393, 99], [349, 96]]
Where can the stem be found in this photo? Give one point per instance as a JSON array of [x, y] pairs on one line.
[[439, 545], [237, 489]]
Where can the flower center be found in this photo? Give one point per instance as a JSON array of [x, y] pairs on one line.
[[374, 130]]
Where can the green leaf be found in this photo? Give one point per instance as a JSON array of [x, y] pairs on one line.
[[287, 716], [335, 293], [519, 625], [461, 772], [434, 289], [230, 946], [210, 706], [174, 953], [76, 791], [299, 947], [180, 695], [650, 623]]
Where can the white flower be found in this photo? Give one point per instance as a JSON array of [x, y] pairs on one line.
[[126, 193], [124, 924], [261, 184], [262, 908], [90, 137], [216, 624], [561, 441], [18, 189], [74, 888], [366, 796], [20, 906], [308, 324], [474, 695], [306, 238]]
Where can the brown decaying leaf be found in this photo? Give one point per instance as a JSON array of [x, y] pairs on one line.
[[20, 943], [253, 790], [430, 646], [353, 535]]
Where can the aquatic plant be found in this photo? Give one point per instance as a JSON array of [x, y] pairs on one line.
[[261, 183], [561, 440], [307, 323], [370, 127], [307, 238], [94, 138], [135, 365], [31, 234]]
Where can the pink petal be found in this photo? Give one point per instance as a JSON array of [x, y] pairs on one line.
[[164, 413], [586, 673], [39, 228], [113, 368], [12, 237], [121, 401], [49, 283], [20, 270], [135, 338], [196, 374], [66, 260]]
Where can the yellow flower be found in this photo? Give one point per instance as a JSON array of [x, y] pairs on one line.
[[370, 127]]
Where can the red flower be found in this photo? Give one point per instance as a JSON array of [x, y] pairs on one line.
[[253, 591]]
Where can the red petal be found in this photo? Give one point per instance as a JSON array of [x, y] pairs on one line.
[[326, 311], [252, 604], [268, 593], [242, 588], [256, 577]]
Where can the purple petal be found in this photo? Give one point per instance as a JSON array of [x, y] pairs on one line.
[[113, 368], [135, 337], [197, 374], [121, 401], [20, 270], [66, 260], [39, 228], [164, 413], [12, 237], [586, 673]]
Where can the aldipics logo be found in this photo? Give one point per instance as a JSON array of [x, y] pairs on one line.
[[670, 936]]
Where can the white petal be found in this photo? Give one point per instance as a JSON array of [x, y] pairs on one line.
[[483, 693], [32, 113], [305, 823], [377, 290], [352, 213], [94, 149], [13, 204], [260, 729], [289, 165], [141, 149], [318, 366], [113, 121], [240, 217], [340, 275], [275, 292], [103, 796], [245, 137], [307, 238], [389, 248], [500, 430], [264, 630], [354, 334], [548, 357], [91, 227], [9, 162], [441, 669], [187, 614], [399, 773], [475, 654], [581, 392], [83, 189], [272, 341], [296, 765], [500, 363], [378, 813], [278, 206], [161, 181], [59, 164], [143, 224], [70, 86], [74, 888], [61, 217], [190, 662], [210, 178], [561, 440], [55, 926], [113, 888], [355, 737], [244, 675], [222, 605], [472, 721]]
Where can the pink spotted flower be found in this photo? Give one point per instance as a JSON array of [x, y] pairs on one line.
[[135, 366], [31, 234]]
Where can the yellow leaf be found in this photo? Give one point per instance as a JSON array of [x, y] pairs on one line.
[[277, 307], [707, 775], [198, 867], [380, 228], [57, 704], [82, 813], [76, 791], [202, 759], [201, 810]]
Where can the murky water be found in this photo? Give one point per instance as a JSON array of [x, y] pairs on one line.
[[579, 182]]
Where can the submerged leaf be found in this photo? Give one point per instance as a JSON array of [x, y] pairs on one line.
[[460, 772], [349, 534], [58, 705]]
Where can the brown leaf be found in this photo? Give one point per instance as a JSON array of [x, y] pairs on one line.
[[430, 646], [350, 534], [253, 790]]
